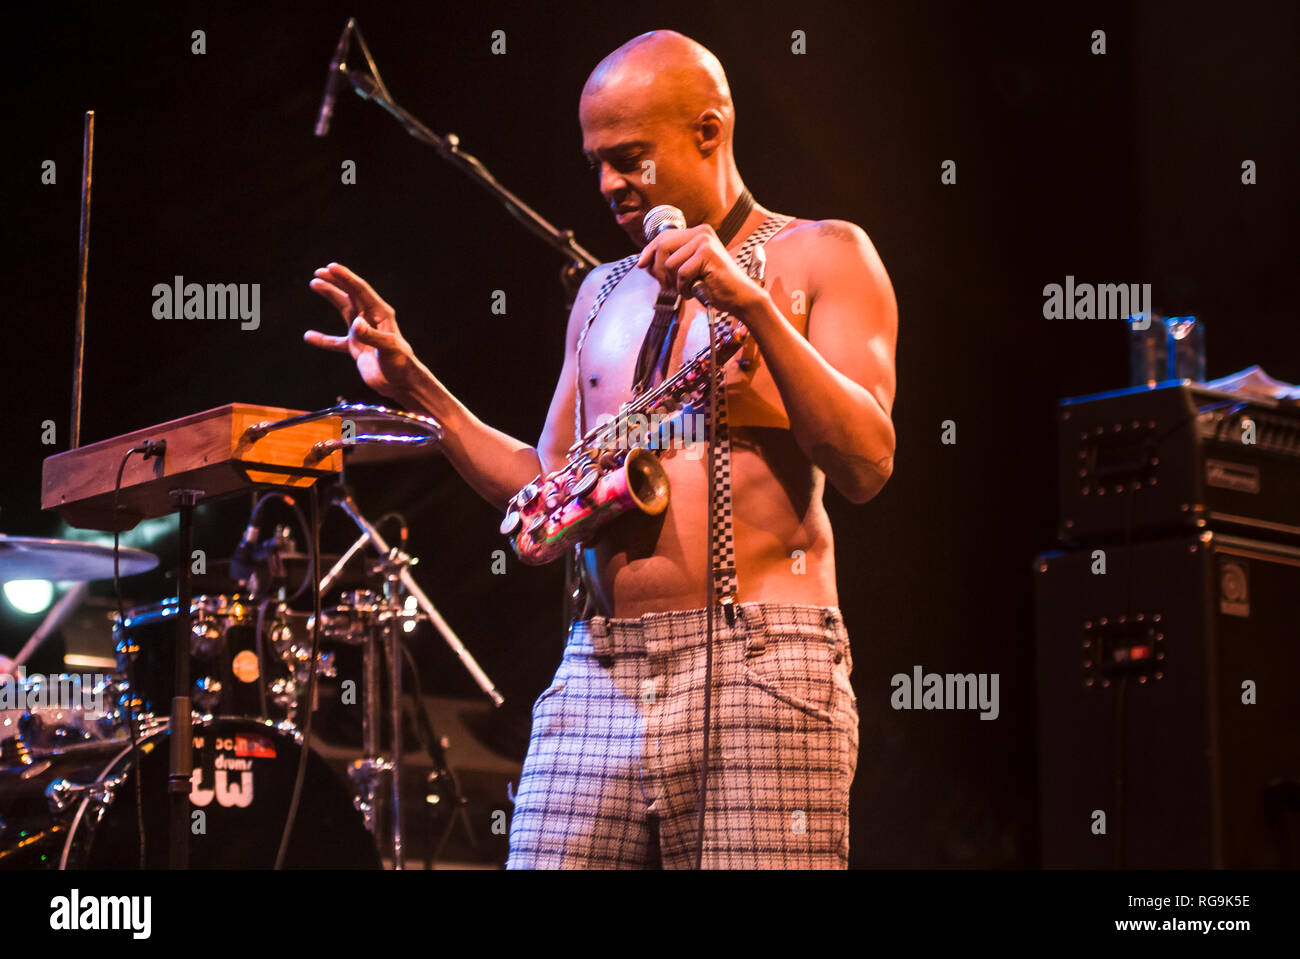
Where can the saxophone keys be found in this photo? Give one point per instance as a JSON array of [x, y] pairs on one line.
[[586, 482], [511, 522]]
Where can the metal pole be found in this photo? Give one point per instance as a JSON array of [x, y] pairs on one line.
[[181, 762], [83, 263], [394, 650]]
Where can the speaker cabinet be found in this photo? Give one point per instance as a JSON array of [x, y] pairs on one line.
[[1169, 719]]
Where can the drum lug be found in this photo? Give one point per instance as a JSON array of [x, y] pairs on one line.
[[366, 776], [207, 694], [15, 751], [205, 639], [63, 793], [289, 728]]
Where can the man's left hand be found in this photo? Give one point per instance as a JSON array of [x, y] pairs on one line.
[[680, 258]]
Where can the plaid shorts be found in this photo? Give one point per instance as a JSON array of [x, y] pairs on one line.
[[612, 775]]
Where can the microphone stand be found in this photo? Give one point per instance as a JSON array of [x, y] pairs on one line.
[[580, 261]]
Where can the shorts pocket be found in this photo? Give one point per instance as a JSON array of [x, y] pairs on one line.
[[551, 690], [796, 667]]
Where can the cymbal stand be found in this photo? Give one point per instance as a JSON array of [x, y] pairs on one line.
[[367, 773], [384, 621]]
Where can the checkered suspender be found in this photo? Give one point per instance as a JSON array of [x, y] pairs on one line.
[[618, 270], [724, 542]]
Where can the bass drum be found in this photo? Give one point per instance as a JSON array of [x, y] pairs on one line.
[[244, 771]]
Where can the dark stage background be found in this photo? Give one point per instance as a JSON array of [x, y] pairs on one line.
[[1117, 168]]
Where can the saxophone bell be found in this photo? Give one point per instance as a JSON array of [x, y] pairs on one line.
[[544, 531], [645, 481]]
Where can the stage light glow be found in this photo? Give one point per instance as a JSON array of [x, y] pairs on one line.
[[29, 596], [148, 534]]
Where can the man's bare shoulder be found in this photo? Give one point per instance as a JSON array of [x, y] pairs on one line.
[[586, 298], [596, 278], [833, 249], [821, 235]]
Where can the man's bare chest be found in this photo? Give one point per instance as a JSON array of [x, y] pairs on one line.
[[607, 363]]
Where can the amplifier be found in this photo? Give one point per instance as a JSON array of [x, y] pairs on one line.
[[1169, 714], [1149, 459]]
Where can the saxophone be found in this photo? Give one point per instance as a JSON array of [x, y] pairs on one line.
[[614, 468]]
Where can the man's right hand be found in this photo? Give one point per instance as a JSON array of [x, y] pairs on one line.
[[384, 359]]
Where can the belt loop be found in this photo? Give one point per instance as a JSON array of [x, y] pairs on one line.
[[729, 609], [599, 628], [834, 621], [755, 629]]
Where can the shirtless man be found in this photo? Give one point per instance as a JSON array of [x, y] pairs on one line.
[[612, 775]]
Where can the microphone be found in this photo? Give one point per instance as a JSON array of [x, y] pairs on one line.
[[332, 80], [244, 563], [665, 217]]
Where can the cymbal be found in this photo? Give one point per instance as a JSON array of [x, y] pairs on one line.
[[380, 440], [63, 560], [387, 448]]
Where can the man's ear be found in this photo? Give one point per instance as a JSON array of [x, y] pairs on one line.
[[710, 130]]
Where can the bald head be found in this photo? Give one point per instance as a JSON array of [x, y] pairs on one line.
[[658, 124], [662, 75]]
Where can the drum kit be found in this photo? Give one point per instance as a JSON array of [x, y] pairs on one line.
[[85, 778]]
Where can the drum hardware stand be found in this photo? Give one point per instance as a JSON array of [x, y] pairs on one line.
[[367, 772], [383, 627], [392, 566], [342, 498], [62, 794]]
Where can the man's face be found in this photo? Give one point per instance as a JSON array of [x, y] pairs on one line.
[[639, 161]]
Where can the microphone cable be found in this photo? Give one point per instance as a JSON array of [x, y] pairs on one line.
[[313, 673], [150, 448]]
